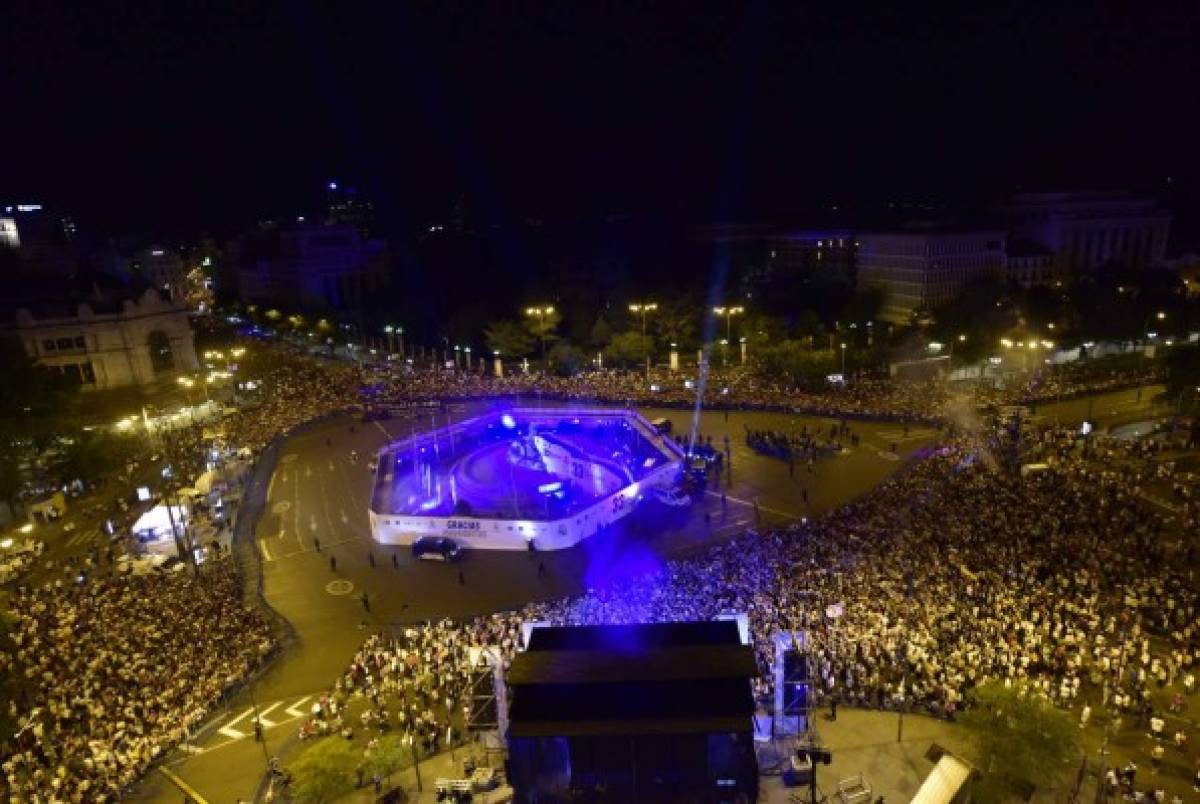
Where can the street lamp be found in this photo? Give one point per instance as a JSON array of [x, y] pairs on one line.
[[729, 313], [1161, 316], [960, 339], [843, 361], [541, 314], [643, 308], [395, 335]]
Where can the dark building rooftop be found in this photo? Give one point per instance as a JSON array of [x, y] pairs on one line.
[[667, 678]]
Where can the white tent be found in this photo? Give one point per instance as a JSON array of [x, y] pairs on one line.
[[153, 528], [944, 782]]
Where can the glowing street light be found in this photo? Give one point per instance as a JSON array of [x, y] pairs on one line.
[[729, 313], [643, 308], [395, 335], [843, 361], [541, 313], [961, 339]]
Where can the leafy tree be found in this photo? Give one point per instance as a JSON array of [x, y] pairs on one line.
[[675, 322], [325, 771], [794, 361], [388, 756], [94, 455], [543, 326], [566, 359], [627, 349], [1021, 741], [10, 478], [600, 334], [508, 338], [1183, 377], [982, 312], [32, 398]]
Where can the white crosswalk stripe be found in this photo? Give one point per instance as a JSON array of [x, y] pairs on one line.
[[899, 436], [294, 710], [262, 714], [228, 729], [81, 537]]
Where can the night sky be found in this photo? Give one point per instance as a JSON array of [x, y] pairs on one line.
[[184, 116]]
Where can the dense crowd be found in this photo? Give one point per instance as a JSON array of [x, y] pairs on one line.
[[864, 396], [112, 671], [952, 574], [298, 387], [1033, 586]]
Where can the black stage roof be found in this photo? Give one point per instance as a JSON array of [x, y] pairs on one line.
[[663, 678]]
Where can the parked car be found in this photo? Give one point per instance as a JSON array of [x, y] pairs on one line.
[[436, 548]]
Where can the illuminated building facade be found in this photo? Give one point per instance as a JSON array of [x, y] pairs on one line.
[[1084, 230], [108, 344], [920, 269]]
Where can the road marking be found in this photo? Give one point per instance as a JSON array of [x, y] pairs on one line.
[[80, 538], [262, 715], [229, 731], [386, 434], [304, 550], [191, 749], [184, 786], [262, 545], [879, 452], [775, 511], [294, 711]]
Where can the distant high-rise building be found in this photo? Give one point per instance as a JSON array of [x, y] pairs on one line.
[[37, 226], [42, 236], [1083, 230], [10, 236], [918, 270]]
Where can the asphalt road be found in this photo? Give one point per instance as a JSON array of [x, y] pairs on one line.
[[318, 492]]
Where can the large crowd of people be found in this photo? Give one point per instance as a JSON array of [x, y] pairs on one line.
[[952, 574], [1055, 582], [112, 671]]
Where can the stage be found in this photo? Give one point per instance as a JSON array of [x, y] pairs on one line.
[[520, 478]]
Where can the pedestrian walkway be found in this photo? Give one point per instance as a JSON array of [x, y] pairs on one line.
[[866, 742]]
